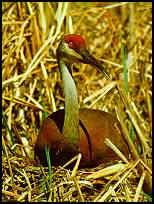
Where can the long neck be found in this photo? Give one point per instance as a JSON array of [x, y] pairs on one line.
[[71, 119]]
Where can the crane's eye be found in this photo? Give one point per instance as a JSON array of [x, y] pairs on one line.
[[73, 46], [70, 44]]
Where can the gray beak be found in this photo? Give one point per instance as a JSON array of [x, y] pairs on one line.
[[89, 59]]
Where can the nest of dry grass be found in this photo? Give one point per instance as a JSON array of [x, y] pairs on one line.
[[32, 89]]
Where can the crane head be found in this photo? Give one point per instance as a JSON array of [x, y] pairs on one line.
[[72, 48]]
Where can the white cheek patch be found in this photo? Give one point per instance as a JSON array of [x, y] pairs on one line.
[[71, 52]]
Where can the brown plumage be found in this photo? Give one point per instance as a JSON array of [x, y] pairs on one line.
[[95, 126]]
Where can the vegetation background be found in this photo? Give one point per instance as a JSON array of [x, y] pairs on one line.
[[118, 34]]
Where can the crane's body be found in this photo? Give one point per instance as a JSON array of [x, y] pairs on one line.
[[74, 130], [93, 149]]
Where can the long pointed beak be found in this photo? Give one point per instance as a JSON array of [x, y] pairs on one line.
[[89, 59]]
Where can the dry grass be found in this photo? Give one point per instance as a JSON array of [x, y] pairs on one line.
[[32, 89]]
